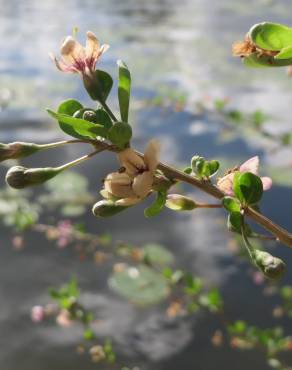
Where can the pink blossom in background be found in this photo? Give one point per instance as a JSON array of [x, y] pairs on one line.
[[65, 233], [225, 184], [37, 314]]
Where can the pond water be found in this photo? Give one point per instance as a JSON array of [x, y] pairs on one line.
[[181, 45]]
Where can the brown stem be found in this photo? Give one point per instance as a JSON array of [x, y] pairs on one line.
[[205, 205]]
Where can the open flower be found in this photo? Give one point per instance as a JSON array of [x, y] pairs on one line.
[[225, 184], [135, 180], [78, 59]]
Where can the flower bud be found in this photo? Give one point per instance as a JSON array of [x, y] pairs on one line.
[[272, 267], [89, 115], [19, 177], [178, 202], [85, 113], [17, 150], [195, 160], [106, 208], [120, 134]]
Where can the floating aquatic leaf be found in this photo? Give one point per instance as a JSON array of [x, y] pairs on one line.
[[140, 285]]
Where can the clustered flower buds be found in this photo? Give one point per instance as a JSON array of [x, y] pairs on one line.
[[135, 179]]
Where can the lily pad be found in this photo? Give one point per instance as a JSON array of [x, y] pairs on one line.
[[140, 285]]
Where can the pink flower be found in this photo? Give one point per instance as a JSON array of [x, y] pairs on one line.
[[225, 184], [78, 59], [65, 230], [37, 314]]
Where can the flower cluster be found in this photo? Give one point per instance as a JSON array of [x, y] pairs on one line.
[[133, 182]]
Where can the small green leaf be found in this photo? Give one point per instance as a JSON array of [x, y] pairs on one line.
[[124, 90], [213, 167], [78, 127], [231, 204], [69, 107], [247, 187], [102, 118], [234, 223], [271, 36], [156, 207], [98, 85], [120, 134], [285, 53]]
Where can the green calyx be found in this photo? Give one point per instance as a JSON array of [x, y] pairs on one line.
[[120, 134]]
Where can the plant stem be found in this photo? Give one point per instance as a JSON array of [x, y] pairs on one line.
[[78, 160], [59, 143], [206, 205], [108, 110]]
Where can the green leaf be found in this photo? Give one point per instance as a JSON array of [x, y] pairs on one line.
[[140, 285], [78, 127], [285, 53], [102, 118], [213, 167], [231, 204], [157, 255], [247, 187], [156, 207], [104, 84], [120, 134], [271, 36], [234, 222], [124, 90], [69, 107]]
